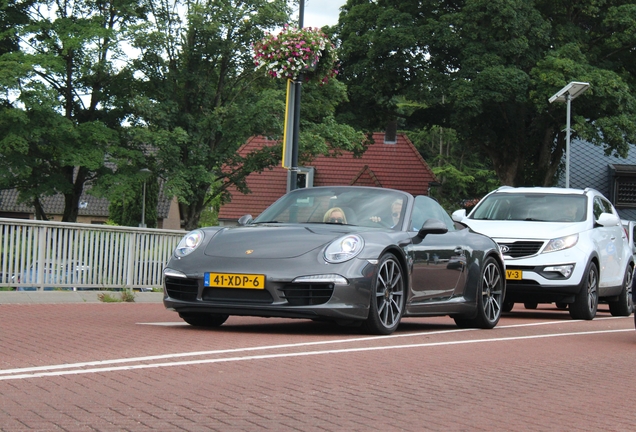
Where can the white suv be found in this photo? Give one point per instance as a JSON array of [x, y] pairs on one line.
[[566, 246]]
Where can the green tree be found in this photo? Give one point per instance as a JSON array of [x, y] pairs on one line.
[[486, 69], [59, 118], [464, 174], [125, 205], [201, 99]]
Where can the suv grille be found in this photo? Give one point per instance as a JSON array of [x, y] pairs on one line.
[[520, 249], [307, 294], [182, 289]]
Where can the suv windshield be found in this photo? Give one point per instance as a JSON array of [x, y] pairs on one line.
[[532, 207]]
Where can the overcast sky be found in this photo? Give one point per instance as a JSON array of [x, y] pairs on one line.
[[320, 13]]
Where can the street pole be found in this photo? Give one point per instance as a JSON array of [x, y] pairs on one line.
[[145, 172], [293, 182], [568, 99], [143, 208], [567, 94]]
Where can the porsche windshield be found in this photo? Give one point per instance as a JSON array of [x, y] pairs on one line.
[[532, 207], [347, 205]]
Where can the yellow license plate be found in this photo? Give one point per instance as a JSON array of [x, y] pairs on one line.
[[514, 274], [234, 280]]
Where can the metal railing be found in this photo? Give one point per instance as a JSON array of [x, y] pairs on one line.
[[44, 255]]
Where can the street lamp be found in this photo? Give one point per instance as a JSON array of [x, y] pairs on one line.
[[293, 178], [145, 172], [567, 94]]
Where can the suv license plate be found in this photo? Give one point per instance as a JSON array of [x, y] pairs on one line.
[[514, 274], [234, 280]]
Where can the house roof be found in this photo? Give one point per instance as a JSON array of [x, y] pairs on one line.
[[391, 165], [89, 205], [589, 167]]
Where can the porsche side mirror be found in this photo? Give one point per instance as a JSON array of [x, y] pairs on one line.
[[245, 220], [432, 226]]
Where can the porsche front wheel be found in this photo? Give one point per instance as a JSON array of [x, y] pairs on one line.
[[387, 298]]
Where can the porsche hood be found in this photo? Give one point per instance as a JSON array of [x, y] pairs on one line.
[[271, 241]]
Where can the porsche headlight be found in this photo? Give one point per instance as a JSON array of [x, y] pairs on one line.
[[561, 243], [189, 243], [344, 249]]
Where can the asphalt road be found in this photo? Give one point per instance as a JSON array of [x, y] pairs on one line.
[[137, 367]]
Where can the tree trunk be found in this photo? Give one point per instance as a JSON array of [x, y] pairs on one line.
[[71, 200], [39, 210]]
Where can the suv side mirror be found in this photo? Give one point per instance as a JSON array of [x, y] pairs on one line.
[[459, 215], [607, 220]]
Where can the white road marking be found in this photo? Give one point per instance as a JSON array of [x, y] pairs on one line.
[[79, 368], [247, 349]]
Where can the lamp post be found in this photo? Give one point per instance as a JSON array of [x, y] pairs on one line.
[[567, 94], [145, 172], [293, 178]]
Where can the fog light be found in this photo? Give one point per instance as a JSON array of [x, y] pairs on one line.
[[326, 278], [564, 270]]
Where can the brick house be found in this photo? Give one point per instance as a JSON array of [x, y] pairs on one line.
[[391, 164], [92, 210]]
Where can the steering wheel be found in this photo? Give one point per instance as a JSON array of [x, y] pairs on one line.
[[380, 222]]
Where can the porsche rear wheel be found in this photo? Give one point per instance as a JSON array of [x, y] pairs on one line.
[[204, 320], [490, 298], [387, 298]]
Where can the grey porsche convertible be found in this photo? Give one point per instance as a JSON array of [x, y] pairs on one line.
[[359, 256]]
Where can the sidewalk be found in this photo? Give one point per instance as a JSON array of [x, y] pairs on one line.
[[39, 297]]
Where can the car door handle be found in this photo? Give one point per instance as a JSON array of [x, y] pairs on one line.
[[612, 238]]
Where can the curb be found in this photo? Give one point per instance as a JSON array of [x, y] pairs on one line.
[[43, 297]]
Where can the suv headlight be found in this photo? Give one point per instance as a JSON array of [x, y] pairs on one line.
[[189, 243], [561, 243], [344, 249]]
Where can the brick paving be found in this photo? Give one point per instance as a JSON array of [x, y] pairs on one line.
[[451, 380]]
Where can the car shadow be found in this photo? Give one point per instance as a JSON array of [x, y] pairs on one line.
[[547, 311], [316, 328]]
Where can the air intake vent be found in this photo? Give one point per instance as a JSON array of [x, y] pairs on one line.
[[182, 289], [307, 294]]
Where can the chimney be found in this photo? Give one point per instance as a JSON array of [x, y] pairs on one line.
[[390, 135]]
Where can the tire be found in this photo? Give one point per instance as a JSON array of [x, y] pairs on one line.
[[624, 306], [490, 298], [561, 306], [204, 320], [530, 305], [507, 306], [387, 298], [586, 301]]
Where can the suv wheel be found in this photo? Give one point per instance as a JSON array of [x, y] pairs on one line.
[[586, 301], [624, 306]]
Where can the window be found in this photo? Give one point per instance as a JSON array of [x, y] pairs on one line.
[[623, 185]]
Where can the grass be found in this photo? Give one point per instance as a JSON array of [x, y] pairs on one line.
[[124, 296]]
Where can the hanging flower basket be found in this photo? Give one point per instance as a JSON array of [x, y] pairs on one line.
[[294, 51]]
